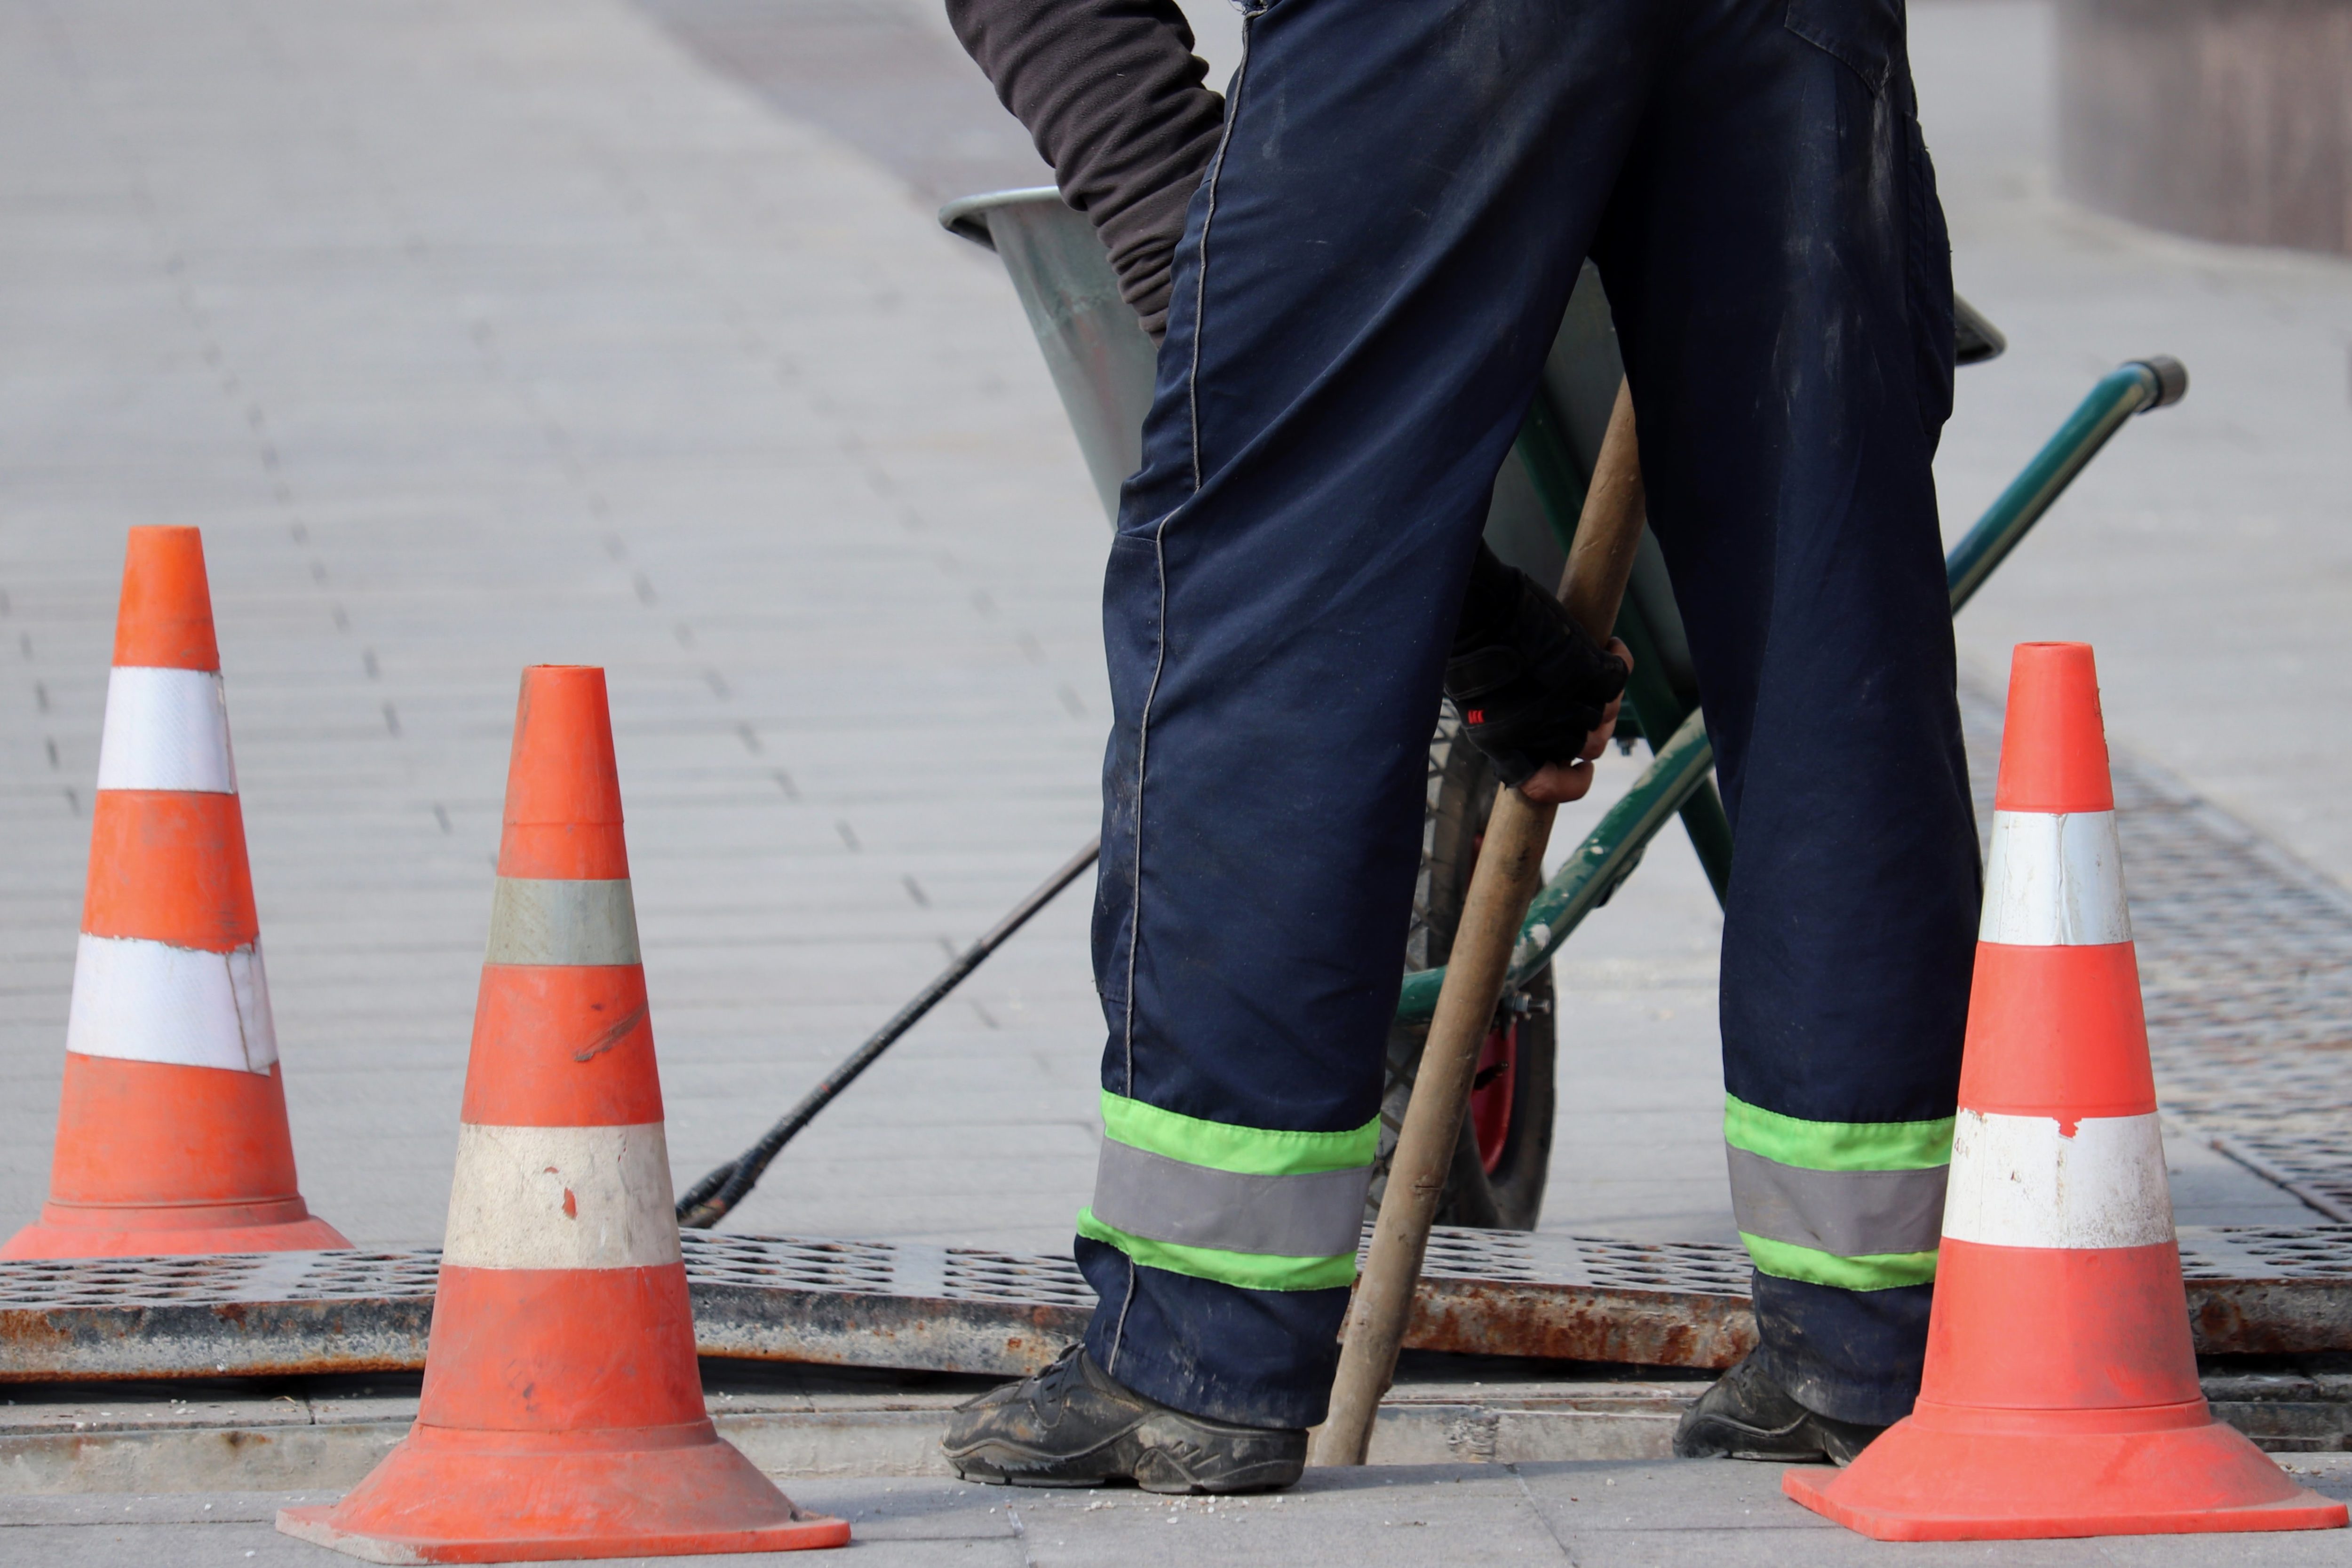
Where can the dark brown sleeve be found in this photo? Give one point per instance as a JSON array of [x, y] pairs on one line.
[[1111, 92]]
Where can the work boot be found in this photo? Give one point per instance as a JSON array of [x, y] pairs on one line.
[[1748, 1415], [1073, 1425]]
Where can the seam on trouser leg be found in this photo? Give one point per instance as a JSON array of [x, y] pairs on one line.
[[1119, 1329], [1160, 655], [1160, 561]]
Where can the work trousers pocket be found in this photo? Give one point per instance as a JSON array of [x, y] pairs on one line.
[[1867, 37], [1928, 282]]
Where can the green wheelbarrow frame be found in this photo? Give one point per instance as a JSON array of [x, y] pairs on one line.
[[1680, 769], [1102, 364]]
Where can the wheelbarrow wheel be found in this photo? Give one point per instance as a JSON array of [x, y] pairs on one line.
[[1504, 1155]]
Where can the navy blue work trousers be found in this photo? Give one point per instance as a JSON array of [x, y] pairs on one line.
[[1373, 272]]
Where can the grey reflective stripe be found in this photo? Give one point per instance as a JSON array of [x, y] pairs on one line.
[[1852, 1214], [549, 922], [1148, 1195]]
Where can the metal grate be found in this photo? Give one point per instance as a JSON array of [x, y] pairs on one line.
[[2267, 1252], [154, 1282], [974, 1275], [783, 1263], [883, 1268], [967, 1309], [1702, 1268], [2246, 968]]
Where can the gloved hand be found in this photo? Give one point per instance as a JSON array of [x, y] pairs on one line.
[[1530, 685]]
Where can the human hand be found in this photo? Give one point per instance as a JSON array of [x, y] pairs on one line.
[[1557, 783]]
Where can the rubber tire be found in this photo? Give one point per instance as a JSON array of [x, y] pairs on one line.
[[1461, 795]]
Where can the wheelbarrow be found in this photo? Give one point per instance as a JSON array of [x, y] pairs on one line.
[[1102, 365]]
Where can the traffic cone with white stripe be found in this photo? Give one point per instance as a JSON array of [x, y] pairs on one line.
[[563, 1413], [172, 1134], [2059, 1396]]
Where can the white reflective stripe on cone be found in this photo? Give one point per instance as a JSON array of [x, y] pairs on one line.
[[562, 922], [2054, 878], [561, 1197], [166, 730], [2025, 1181], [150, 1001]]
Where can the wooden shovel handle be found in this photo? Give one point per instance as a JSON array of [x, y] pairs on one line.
[[1508, 873], [1608, 534]]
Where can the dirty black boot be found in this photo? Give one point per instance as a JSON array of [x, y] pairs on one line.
[[1748, 1415], [1073, 1425]]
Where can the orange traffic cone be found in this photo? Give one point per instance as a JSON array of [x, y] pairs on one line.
[[172, 1128], [562, 1412], [2060, 1395]]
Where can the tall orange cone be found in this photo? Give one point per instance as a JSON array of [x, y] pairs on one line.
[[562, 1412], [172, 1129], [2060, 1395]]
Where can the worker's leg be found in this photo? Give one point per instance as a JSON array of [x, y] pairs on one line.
[[1779, 272], [1371, 275]]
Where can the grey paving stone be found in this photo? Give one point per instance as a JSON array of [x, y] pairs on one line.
[[468, 351], [1600, 1515]]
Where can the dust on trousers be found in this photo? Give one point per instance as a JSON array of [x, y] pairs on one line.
[[1369, 280]]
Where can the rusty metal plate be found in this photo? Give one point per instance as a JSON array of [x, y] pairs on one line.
[[2252, 1289], [250, 1315], [2263, 1289], [1572, 1298], [840, 1304]]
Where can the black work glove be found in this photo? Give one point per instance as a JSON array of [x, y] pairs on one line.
[[1530, 685]]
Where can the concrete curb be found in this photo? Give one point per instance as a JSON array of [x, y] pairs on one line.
[[289, 1445], [325, 1434]]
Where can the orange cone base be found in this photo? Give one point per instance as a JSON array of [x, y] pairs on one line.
[[70, 1230], [446, 1496], [1953, 1475]]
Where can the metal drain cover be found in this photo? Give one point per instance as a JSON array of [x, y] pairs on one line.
[[2252, 1289]]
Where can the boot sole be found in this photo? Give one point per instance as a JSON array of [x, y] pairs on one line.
[[1153, 1469], [1719, 1439], [996, 1465], [1167, 1476]]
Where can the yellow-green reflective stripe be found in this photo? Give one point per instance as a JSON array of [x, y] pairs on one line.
[[1878, 1272], [1836, 1146], [1244, 1151], [1250, 1271]]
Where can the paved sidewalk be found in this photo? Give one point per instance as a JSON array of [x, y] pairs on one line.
[[215, 1435], [2205, 554], [478, 336], [1594, 1515]]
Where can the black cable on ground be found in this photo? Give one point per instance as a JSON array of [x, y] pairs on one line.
[[709, 1200]]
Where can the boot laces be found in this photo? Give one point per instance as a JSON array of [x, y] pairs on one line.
[[1062, 1378]]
